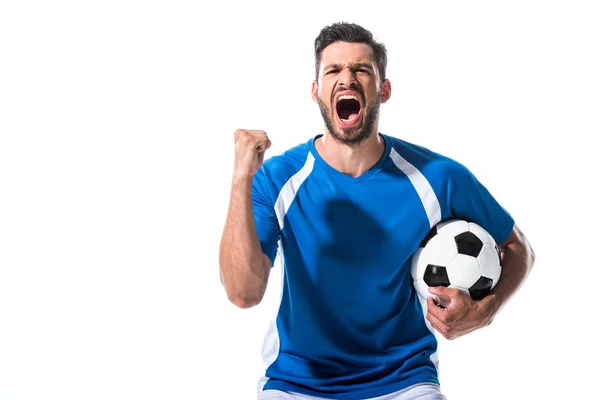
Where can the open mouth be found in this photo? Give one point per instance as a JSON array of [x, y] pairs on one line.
[[348, 109]]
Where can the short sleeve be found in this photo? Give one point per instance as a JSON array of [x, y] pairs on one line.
[[470, 200], [265, 219]]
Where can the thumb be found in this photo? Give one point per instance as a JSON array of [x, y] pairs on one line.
[[442, 295], [263, 145], [440, 291]]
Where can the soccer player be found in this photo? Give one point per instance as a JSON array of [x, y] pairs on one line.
[[346, 210]]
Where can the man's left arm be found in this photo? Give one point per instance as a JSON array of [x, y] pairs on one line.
[[462, 314]]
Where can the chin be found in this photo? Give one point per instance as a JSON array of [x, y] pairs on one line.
[[354, 135]]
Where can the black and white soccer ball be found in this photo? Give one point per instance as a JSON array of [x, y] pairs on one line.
[[457, 254]]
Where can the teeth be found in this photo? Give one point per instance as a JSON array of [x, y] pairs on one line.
[[345, 121], [348, 97]]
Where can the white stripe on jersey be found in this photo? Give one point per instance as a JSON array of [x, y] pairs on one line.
[[422, 186], [434, 214], [289, 190]]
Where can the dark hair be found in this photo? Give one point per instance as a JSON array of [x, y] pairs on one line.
[[353, 33]]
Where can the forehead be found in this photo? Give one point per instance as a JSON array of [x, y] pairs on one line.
[[344, 52]]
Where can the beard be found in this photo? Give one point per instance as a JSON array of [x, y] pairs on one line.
[[352, 136]]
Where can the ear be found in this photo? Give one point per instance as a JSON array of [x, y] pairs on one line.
[[315, 90], [387, 91]]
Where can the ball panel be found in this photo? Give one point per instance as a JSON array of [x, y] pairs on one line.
[[452, 227], [481, 288], [427, 238], [481, 233], [463, 271], [436, 275], [414, 264], [422, 289], [440, 250], [489, 261], [468, 243], [465, 291], [496, 278]]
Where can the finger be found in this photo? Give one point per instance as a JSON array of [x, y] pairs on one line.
[[439, 325], [443, 291], [248, 132], [246, 142], [255, 131], [435, 310], [262, 144], [446, 295]]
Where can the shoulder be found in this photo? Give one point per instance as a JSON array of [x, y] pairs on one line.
[[278, 169], [283, 166], [426, 160]]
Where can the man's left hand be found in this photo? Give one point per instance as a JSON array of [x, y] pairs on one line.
[[460, 314]]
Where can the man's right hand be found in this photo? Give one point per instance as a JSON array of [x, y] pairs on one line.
[[250, 147], [244, 268]]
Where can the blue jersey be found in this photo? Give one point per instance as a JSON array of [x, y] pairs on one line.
[[350, 324]]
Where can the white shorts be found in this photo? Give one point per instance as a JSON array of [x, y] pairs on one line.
[[420, 391]]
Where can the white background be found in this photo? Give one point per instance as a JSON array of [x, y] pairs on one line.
[[117, 120]]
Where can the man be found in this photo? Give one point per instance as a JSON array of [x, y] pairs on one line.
[[346, 210]]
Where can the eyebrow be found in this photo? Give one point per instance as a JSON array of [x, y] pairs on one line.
[[354, 66]]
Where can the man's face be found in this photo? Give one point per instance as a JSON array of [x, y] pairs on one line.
[[349, 91]]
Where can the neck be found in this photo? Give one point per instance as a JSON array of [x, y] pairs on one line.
[[353, 160]]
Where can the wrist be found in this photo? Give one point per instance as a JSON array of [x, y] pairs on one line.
[[242, 180]]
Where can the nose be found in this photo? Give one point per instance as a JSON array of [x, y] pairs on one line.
[[347, 77]]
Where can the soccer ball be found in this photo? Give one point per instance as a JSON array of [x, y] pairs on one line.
[[457, 254]]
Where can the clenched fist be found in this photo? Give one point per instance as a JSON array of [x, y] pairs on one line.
[[250, 147]]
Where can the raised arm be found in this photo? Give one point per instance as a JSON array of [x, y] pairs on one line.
[[244, 268]]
